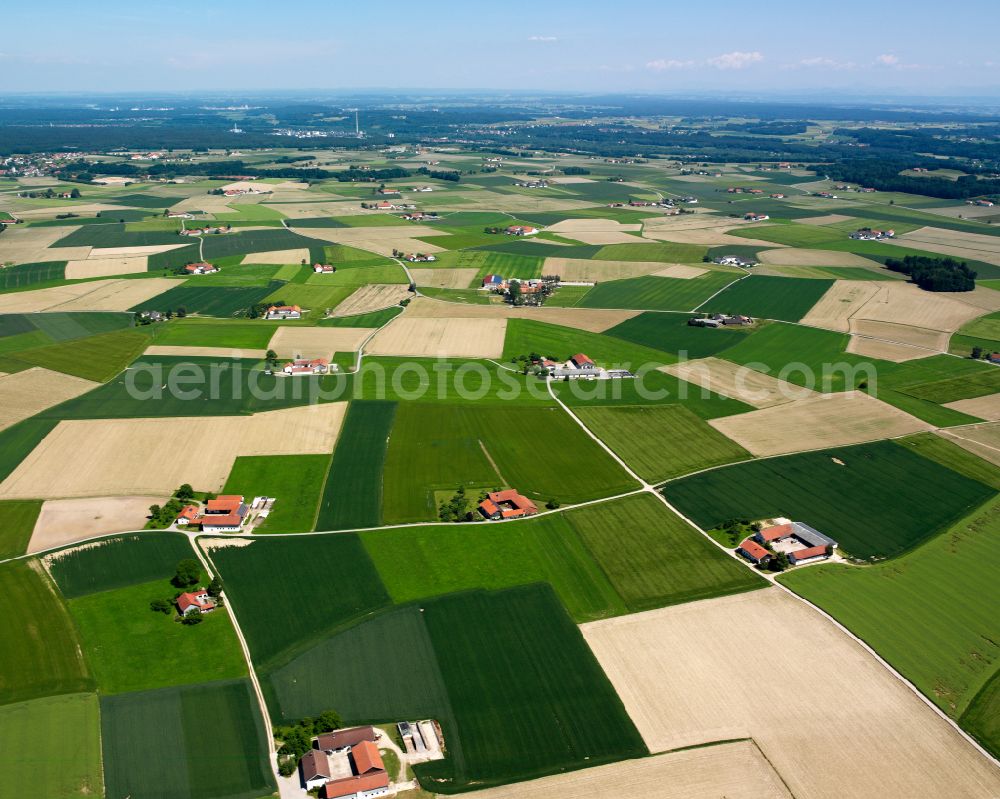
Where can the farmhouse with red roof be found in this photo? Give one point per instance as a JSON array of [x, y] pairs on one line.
[[195, 602], [284, 312], [224, 514], [325, 269], [306, 366], [201, 268], [354, 771], [521, 230], [507, 504], [753, 551]]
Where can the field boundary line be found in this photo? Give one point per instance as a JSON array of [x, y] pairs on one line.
[[724, 288]]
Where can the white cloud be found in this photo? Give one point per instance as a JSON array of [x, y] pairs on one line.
[[543, 38], [664, 64], [820, 62], [735, 60], [887, 60]]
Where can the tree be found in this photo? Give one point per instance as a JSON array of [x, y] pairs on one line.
[[328, 721], [75, 194], [287, 766], [295, 741], [160, 605], [514, 293], [181, 312], [184, 493], [154, 511], [778, 562], [977, 353], [215, 587], [192, 618], [188, 573], [552, 504]]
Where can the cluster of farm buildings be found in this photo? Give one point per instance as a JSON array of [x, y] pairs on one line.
[[228, 513], [720, 320], [869, 234], [800, 542], [347, 764]]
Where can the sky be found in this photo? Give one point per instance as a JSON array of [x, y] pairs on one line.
[[905, 47]]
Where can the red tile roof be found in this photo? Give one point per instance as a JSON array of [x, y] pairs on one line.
[[221, 520], [189, 513], [805, 554], [315, 764], [366, 758], [225, 503], [580, 359], [349, 786], [776, 533], [338, 739], [193, 599], [754, 550]]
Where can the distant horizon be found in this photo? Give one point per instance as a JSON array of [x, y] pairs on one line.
[[894, 48]]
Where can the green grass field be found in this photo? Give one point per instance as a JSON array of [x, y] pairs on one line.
[[208, 743], [528, 696], [978, 383], [296, 481], [656, 293], [897, 498], [429, 561], [41, 653], [132, 648], [194, 332], [118, 562], [759, 296], [982, 718], [209, 300], [360, 673], [661, 441], [373, 319], [352, 495], [19, 518], [663, 251], [255, 241], [29, 730], [23, 275], [677, 563], [673, 334], [117, 235], [289, 592], [539, 451], [97, 358], [928, 613], [526, 336], [954, 457]]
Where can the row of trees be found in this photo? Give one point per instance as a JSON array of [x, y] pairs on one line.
[[935, 274]]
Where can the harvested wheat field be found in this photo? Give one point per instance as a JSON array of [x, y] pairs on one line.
[[373, 297], [596, 321], [976, 246], [597, 231], [738, 382], [735, 770], [84, 209], [511, 203], [824, 420], [66, 521], [115, 295], [907, 304], [830, 719], [933, 340], [444, 278], [306, 209], [98, 458], [23, 245], [826, 219], [886, 350], [23, 394], [277, 257], [205, 352], [317, 342], [587, 271], [447, 338], [131, 252], [796, 256], [980, 439], [987, 407], [840, 302], [106, 267], [680, 272], [204, 203]]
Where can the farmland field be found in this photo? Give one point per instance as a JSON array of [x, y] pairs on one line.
[[143, 649], [428, 561], [661, 441], [352, 496], [29, 728], [359, 672], [980, 720], [295, 481], [784, 298], [140, 765], [194, 332], [526, 336], [15, 277], [938, 594], [328, 580], [898, 498], [18, 441], [674, 335], [221, 301], [117, 562], [512, 727], [678, 563], [19, 518], [656, 293], [41, 652], [97, 358]]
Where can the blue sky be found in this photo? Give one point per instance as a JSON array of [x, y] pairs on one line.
[[878, 46]]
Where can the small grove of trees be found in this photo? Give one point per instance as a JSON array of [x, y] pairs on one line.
[[296, 739], [440, 175], [456, 509], [935, 274], [163, 516], [187, 574], [270, 360], [575, 170], [736, 530]]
